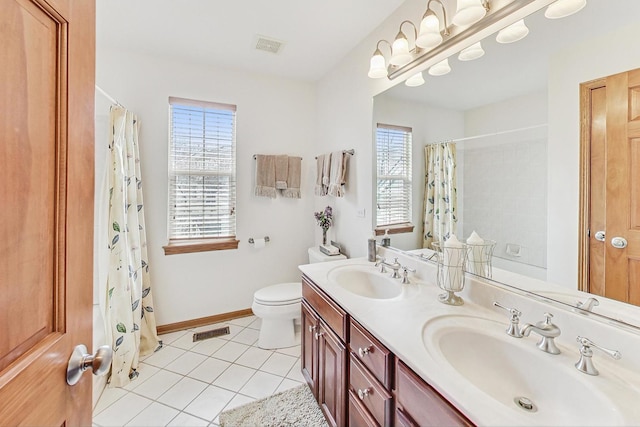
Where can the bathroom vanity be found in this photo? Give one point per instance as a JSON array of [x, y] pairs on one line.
[[376, 352]]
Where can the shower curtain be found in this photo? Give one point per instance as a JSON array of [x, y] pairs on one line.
[[440, 193], [131, 325]]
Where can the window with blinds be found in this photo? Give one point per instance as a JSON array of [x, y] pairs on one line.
[[393, 199], [202, 170]]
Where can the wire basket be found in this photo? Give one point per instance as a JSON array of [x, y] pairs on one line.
[[451, 268], [479, 258]]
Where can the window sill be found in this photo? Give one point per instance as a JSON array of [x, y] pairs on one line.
[[176, 247], [394, 228]]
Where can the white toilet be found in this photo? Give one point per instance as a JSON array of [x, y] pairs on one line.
[[279, 308]]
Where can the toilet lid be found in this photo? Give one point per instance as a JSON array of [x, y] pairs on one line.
[[280, 294]]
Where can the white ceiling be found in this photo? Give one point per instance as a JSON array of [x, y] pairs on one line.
[[317, 33], [506, 71]]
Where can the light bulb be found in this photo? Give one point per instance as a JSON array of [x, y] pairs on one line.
[[415, 80], [469, 12], [429, 36], [378, 66], [400, 51]]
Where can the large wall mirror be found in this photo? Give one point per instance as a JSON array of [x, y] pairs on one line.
[[514, 115]]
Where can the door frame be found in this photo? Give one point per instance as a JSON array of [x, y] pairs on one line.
[[585, 180]]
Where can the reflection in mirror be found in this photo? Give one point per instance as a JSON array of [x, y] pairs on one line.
[[514, 114]]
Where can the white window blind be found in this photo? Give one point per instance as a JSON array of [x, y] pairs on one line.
[[202, 169], [393, 199]]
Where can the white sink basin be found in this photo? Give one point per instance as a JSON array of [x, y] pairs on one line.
[[480, 355], [366, 281]]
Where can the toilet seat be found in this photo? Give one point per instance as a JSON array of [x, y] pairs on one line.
[[280, 294]]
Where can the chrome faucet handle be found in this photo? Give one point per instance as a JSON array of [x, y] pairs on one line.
[[514, 329], [585, 364], [588, 304], [381, 264], [395, 267], [405, 274]]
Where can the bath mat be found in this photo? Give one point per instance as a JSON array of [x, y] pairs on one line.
[[293, 407]]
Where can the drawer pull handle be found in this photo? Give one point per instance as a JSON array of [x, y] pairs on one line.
[[312, 328], [364, 351], [364, 393], [318, 335]]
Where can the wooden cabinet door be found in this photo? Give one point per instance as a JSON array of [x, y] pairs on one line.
[[309, 359], [47, 78], [332, 376]]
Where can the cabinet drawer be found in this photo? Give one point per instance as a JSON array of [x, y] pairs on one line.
[[358, 415], [330, 312], [371, 394], [375, 356], [417, 402]]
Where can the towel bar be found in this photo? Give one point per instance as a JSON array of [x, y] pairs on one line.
[[266, 239]]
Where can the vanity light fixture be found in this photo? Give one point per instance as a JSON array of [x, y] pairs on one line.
[[378, 65], [441, 68], [400, 49], [430, 35], [562, 8], [472, 52], [415, 80], [514, 32], [470, 11]]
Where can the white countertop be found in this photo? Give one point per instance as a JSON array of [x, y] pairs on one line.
[[399, 323]]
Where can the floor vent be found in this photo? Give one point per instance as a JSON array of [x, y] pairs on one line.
[[268, 44], [199, 336]]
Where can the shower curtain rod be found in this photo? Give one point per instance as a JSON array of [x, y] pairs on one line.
[[503, 132], [109, 97]]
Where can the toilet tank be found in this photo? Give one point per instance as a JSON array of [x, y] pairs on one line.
[[316, 256]]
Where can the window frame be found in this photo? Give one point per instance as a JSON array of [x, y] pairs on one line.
[[405, 225], [178, 245]]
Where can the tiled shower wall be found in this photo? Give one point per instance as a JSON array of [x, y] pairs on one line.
[[505, 196]]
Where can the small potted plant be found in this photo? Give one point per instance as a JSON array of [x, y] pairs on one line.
[[325, 220]]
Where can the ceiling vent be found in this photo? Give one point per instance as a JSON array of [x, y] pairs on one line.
[[268, 44]]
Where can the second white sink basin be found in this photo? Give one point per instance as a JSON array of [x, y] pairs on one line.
[[505, 369], [366, 281]]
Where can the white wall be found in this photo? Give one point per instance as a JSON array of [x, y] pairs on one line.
[[587, 61], [428, 125], [274, 116]]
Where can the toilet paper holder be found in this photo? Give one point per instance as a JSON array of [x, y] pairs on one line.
[[266, 239]]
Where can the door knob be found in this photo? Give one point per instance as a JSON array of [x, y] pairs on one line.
[[619, 242], [600, 236], [80, 361]]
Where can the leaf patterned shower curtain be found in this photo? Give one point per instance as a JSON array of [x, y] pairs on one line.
[[131, 325], [440, 193]]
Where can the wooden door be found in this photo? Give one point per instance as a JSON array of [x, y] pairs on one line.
[[309, 359], [611, 164], [46, 228], [332, 376]]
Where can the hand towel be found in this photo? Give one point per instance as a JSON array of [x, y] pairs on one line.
[[338, 173], [318, 190], [293, 178], [282, 170], [326, 171], [265, 176]]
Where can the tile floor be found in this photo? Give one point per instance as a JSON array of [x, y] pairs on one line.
[[189, 384]]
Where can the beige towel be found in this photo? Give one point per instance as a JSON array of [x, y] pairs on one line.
[[282, 170], [326, 171], [319, 189], [265, 176], [293, 178], [338, 174]]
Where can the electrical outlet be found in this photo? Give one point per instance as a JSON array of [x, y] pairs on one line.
[[361, 213]]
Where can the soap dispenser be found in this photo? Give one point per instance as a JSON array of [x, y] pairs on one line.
[[371, 248], [386, 240]]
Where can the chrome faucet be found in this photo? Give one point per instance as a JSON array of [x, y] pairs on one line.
[[588, 304], [381, 264], [585, 364], [514, 329], [395, 267], [547, 331], [405, 274]]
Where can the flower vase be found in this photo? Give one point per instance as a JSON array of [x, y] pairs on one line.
[[324, 236]]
